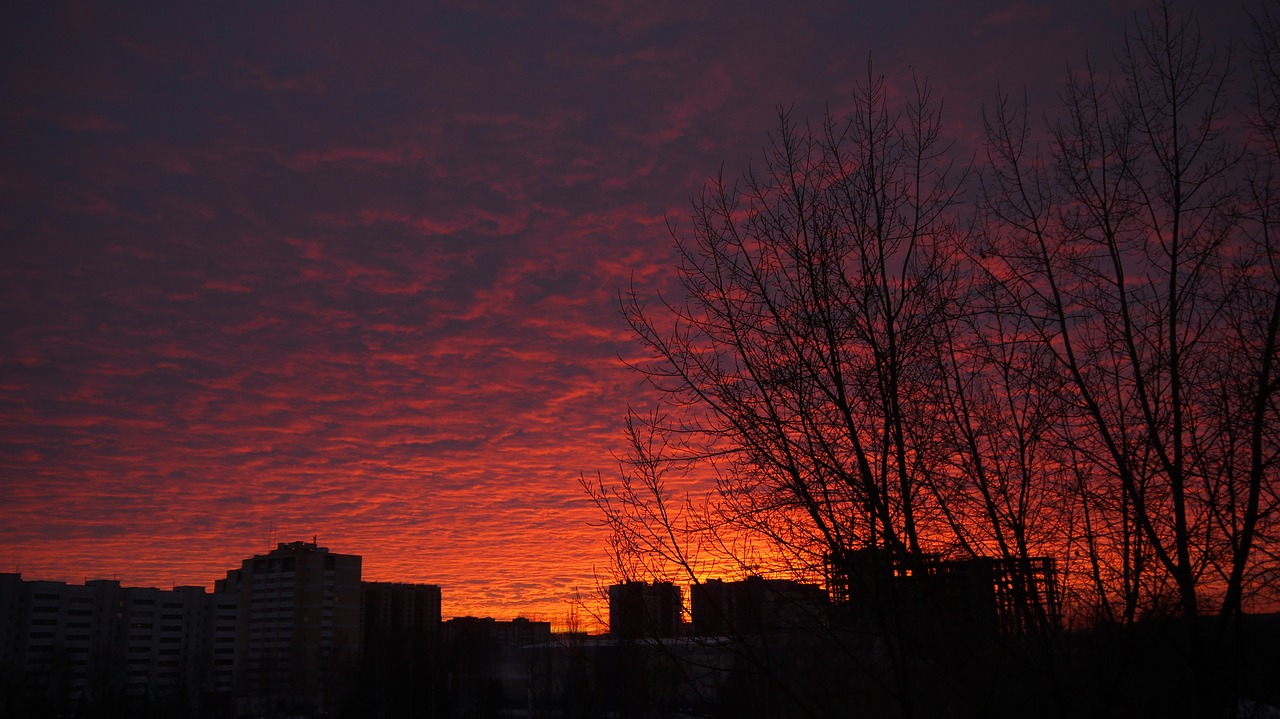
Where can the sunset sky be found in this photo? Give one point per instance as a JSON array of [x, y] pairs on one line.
[[283, 270]]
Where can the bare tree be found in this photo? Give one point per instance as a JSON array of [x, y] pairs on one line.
[[803, 367], [1126, 253], [1141, 252], [1250, 508], [1081, 361], [817, 291]]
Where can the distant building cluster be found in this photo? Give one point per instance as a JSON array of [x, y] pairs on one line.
[[640, 610], [290, 632], [296, 632]]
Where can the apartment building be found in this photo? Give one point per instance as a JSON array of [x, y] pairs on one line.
[[298, 628], [71, 645]]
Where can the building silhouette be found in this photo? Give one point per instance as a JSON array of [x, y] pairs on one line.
[[396, 608], [979, 596], [518, 632], [491, 665], [66, 647], [298, 630], [400, 665], [638, 610], [177, 643], [755, 605]]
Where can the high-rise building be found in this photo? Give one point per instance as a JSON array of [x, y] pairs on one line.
[[222, 619], [400, 667], [76, 646], [299, 627], [10, 600], [641, 611], [64, 636], [755, 605], [398, 609]]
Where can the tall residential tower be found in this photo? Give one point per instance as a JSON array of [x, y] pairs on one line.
[[299, 627]]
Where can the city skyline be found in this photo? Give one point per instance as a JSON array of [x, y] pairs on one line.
[[217, 583], [288, 272], [229, 582]]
